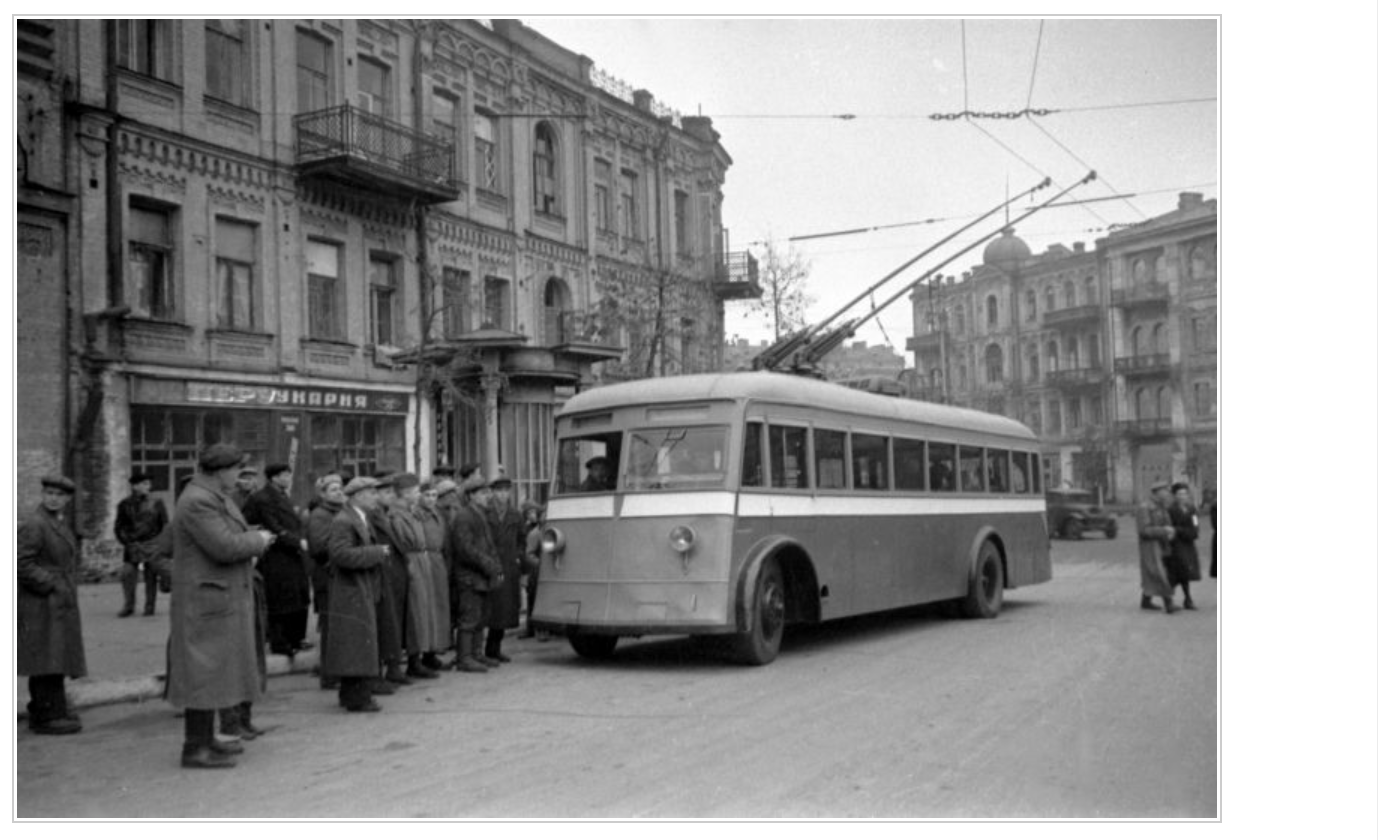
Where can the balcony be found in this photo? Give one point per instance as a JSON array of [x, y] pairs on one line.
[[926, 343], [1153, 427], [583, 334], [363, 150], [1072, 316], [1075, 377], [1141, 295], [1148, 364], [737, 278]]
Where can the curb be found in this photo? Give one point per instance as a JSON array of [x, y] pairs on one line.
[[86, 692]]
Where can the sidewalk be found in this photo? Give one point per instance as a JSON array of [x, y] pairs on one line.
[[126, 658]]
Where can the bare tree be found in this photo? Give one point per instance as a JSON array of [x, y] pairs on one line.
[[785, 299]]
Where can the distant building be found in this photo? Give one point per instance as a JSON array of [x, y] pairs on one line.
[[1115, 371], [849, 361], [345, 244]]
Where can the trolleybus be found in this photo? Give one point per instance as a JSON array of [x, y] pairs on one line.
[[736, 504]]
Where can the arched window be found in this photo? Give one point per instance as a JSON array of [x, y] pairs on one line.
[[1050, 298], [1201, 262], [1090, 293], [1069, 294], [995, 363], [1141, 271], [959, 320], [1164, 407], [1160, 337], [1136, 341], [556, 300], [1033, 363], [1073, 354], [1143, 404], [545, 166], [1030, 305], [1093, 351], [1050, 350], [992, 311]]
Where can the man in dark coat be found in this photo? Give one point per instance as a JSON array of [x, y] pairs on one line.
[[49, 639], [474, 559], [213, 652], [1155, 549], [330, 499], [393, 610], [286, 584], [351, 651], [139, 521], [509, 539]]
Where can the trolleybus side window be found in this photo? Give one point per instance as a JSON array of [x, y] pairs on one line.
[[753, 465], [909, 464], [1036, 472], [789, 457], [998, 470], [870, 462], [1021, 472], [830, 458], [682, 457], [942, 467], [588, 464], [973, 471]]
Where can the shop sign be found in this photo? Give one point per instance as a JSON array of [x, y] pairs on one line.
[[285, 396]]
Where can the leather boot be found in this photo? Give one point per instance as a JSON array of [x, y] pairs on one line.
[[395, 674], [229, 723], [464, 660], [247, 730], [418, 670], [477, 651], [1169, 606], [198, 749], [129, 582]]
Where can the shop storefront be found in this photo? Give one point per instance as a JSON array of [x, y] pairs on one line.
[[314, 429]]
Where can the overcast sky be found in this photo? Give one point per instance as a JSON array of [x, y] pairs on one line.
[[771, 86]]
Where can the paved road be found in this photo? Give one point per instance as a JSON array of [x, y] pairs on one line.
[[1074, 703]]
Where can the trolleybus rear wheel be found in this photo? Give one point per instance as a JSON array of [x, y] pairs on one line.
[[760, 644], [986, 592], [590, 646]]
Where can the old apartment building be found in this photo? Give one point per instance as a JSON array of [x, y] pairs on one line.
[[344, 244], [1107, 354]]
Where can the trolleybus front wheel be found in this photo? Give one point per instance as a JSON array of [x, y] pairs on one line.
[[760, 644], [986, 592], [591, 646]]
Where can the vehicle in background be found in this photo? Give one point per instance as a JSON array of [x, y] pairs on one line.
[[1073, 512]]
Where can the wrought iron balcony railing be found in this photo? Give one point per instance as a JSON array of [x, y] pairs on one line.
[[365, 150], [1148, 428], [738, 277], [1147, 364], [1071, 315], [1143, 294], [1075, 376]]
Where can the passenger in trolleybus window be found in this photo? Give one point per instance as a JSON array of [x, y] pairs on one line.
[[599, 478]]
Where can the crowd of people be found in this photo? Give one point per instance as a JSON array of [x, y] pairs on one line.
[[402, 573]]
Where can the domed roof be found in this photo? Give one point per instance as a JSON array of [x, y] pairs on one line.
[[1006, 252]]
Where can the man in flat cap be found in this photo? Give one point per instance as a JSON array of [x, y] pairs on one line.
[[1155, 540], [599, 478], [286, 585], [245, 485], [424, 629], [507, 527], [392, 611], [214, 656], [139, 521], [476, 569], [49, 639], [351, 652]]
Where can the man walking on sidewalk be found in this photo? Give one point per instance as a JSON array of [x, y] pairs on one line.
[[139, 520]]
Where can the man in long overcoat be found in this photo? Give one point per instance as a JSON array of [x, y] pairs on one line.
[[393, 610], [507, 527], [1185, 565], [49, 638], [475, 564], [330, 499], [213, 656], [286, 584], [1155, 540], [356, 555]]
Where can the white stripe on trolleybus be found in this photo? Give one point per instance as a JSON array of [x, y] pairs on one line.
[[580, 507], [782, 504], [679, 504]]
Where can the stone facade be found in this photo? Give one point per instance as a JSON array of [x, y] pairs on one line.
[[302, 236]]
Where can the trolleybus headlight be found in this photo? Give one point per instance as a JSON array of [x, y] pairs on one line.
[[552, 541], [682, 538]]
